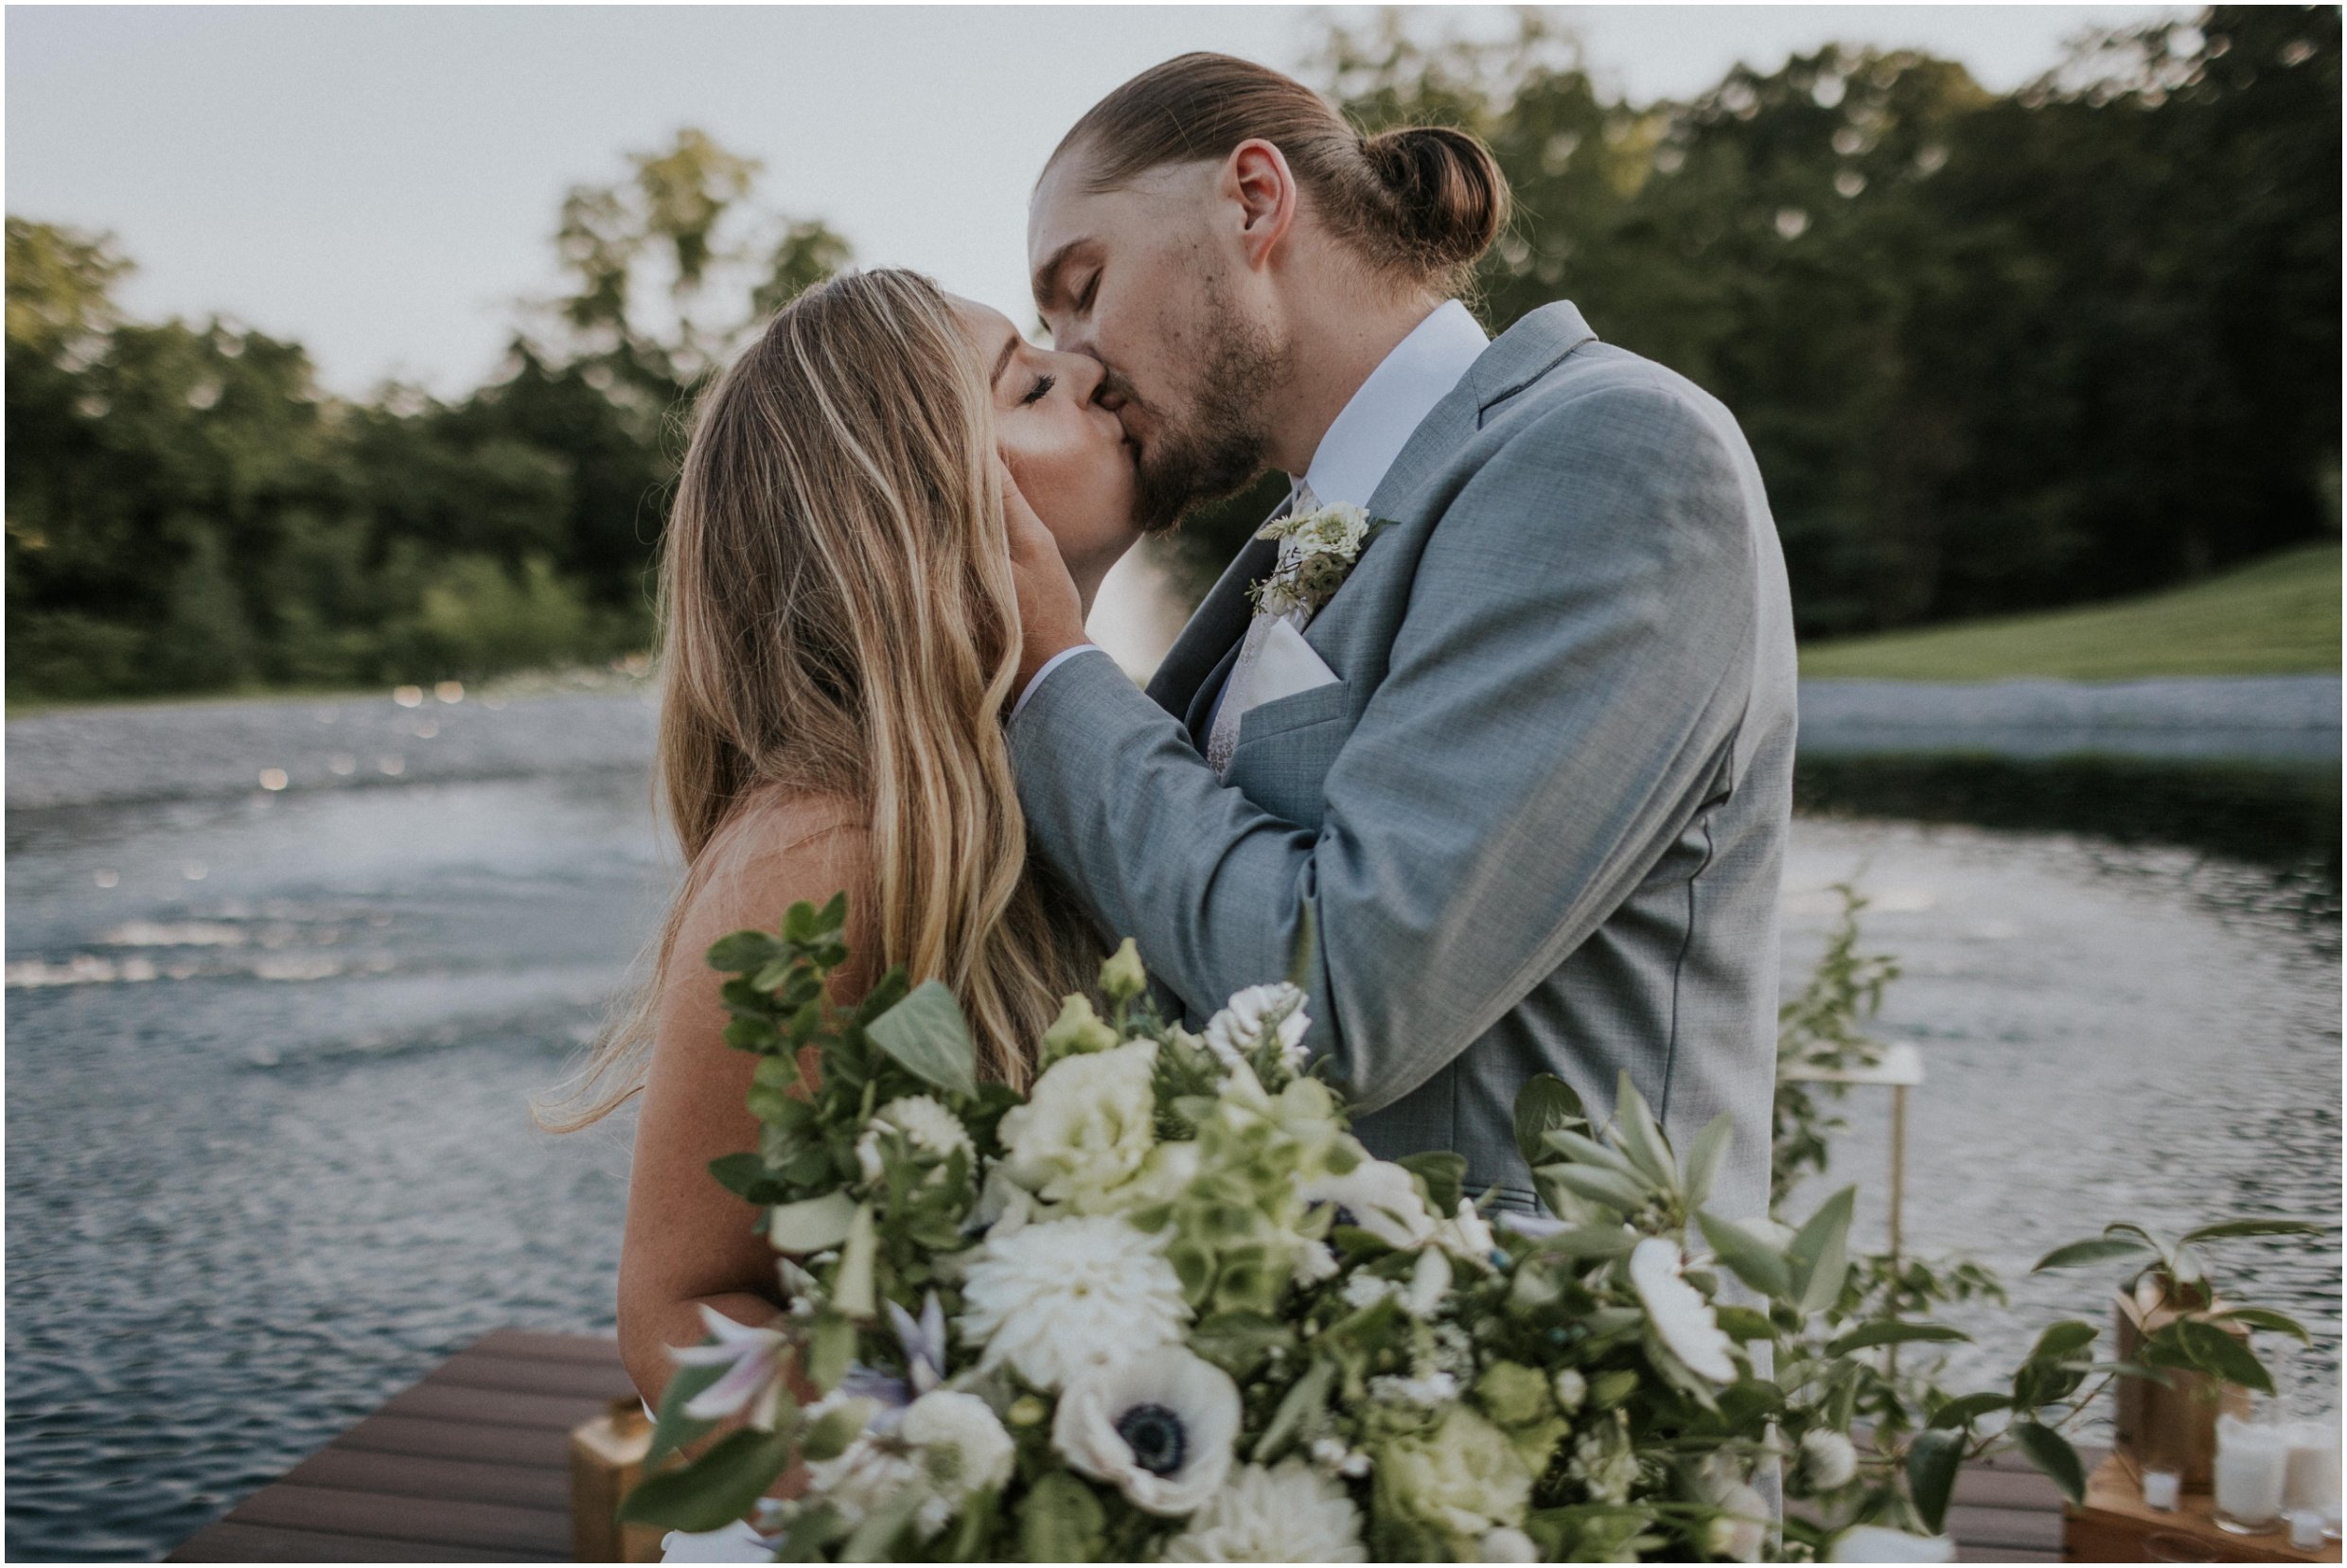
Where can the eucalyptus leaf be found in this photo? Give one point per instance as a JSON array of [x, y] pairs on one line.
[[1819, 1252], [1444, 1172], [1641, 1138], [1603, 1186], [2063, 1341], [929, 1038], [743, 951], [1703, 1160], [673, 1428], [2051, 1453], [746, 1177], [720, 1487], [1754, 1260], [811, 1225], [1545, 1104]]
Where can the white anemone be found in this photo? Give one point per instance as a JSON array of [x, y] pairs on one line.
[[1283, 1514], [1683, 1320], [1157, 1426], [1057, 1297], [1377, 1196]]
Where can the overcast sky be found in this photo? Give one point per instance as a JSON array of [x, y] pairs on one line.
[[381, 183]]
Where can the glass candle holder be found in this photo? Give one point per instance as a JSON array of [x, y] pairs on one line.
[[2252, 1468]]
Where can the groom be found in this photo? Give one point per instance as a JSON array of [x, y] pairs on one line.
[[1528, 768]]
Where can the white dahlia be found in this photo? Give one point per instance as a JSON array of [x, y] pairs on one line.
[[1059, 1297], [1258, 1014], [926, 1124], [1087, 1127], [1683, 1320], [1283, 1514], [1157, 1426]]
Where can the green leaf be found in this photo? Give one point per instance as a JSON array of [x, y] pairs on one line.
[[1238, 1341], [1581, 1149], [2102, 1249], [2063, 1341], [813, 1528], [745, 1175], [1304, 949], [1755, 1262], [1444, 1172], [714, 1490], [1967, 1408], [879, 1532], [1545, 1104], [1868, 1335], [2265, 1318], [1932, 1461], [929, 1038], [2252, 1228], [829, 1438], [1703, 1160], [2051, 1453], [2218, 1353], [1061, 1522], [830, 1345], [811, 1225], [1309, 1394], [673, 1429], [1819, 1252], [852, 1288], [1743, 1325], [1609, 1188], [1641, 1138], [1585, 1241], [743, 951]]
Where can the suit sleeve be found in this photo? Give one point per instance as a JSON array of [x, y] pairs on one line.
[[1563, 692]]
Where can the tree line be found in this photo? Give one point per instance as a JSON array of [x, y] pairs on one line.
[[1994, 352]]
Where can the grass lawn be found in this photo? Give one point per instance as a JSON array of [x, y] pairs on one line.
[[2277, 616]]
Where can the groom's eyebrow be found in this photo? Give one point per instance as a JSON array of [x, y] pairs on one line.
[[1047, 275]]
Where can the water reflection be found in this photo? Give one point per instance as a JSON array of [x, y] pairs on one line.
[[278, 1169]]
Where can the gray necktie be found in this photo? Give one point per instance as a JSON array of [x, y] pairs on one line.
[[1236, 699]]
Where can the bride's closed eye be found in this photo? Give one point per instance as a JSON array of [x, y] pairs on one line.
[[1042, 389]]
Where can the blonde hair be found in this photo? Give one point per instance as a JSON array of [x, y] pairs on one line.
[[839, 618]]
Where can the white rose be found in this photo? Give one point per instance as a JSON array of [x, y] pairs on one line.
[[965, 1426], [1089, 1123]]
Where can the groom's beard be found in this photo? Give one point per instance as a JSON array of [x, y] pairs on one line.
[[1219, 449]]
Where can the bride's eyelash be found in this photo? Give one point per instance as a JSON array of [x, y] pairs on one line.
[[1042, 390]]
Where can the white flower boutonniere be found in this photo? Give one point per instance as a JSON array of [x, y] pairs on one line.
[[1317, 552]]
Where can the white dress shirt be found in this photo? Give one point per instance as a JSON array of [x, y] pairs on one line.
[[1372, 427]]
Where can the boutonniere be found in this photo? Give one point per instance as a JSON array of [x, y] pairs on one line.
[[1318, 549]]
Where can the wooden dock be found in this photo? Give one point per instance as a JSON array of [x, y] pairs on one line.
[[472, 1465]]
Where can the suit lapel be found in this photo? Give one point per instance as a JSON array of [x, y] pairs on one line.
[[1213, 632]]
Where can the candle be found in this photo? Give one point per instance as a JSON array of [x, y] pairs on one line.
[[2253, 1462], [2163, 1490], [2305, 1530], [2312, 1483]]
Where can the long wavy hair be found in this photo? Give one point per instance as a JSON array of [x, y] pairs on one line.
[[839, 618]]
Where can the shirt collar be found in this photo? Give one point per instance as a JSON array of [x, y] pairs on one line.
[[1370, 432]]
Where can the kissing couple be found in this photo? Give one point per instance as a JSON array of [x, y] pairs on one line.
[[1499, 706]]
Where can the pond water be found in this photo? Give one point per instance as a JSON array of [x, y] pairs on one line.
[[269, 1159]]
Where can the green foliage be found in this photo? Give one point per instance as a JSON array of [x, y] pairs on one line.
[[1823, 1028], [1994, 353], [188, 511]]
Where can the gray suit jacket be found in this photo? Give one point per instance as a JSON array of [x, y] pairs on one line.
[[1541, 818]]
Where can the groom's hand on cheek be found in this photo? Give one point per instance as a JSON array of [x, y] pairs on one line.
[[1050, 612]]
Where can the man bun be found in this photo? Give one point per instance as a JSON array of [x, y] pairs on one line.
[[1449, 198]]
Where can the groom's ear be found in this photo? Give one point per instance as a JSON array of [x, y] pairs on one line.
[[1261, 189]]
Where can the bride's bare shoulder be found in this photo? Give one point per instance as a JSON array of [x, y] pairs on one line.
[[773, 850]]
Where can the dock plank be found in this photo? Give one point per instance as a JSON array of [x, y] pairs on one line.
[[471, 1464]]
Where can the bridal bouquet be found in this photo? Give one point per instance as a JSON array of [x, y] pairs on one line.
[[1164, 1307]]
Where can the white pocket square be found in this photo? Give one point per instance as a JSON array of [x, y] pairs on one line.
[[1286, 666]]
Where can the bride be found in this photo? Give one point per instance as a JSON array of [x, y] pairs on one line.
[[839, 633]]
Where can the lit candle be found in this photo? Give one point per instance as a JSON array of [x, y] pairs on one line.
[[2252, 1461], [2305, 1530], [2163, 1490]]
